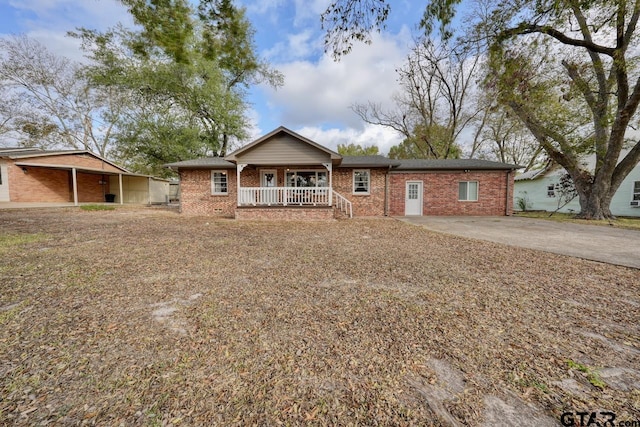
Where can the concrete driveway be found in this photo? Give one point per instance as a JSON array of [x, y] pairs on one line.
[[597, 243]]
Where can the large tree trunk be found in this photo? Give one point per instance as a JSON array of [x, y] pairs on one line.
[[594, 199], [594, 209]]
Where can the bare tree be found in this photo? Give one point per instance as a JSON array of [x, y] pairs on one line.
[[505, 138], [58, 106], [435, 103]]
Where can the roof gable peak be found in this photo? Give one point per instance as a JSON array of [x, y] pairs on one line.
[[269, 136]]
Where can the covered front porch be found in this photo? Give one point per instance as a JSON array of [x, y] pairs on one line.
[[305, 185], [283, 170], [290, 187]]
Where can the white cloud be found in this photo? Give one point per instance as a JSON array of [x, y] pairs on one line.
[[317, 93], [297, 46], [380, 136], [48, 21]]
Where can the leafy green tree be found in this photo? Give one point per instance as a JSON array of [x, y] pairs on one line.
[[567, 69], [185, 74], [357, 150], [192, 96]]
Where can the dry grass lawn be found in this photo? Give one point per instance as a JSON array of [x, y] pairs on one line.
[[146, 317]]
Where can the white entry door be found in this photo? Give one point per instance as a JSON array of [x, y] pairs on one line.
[[268, 178], [268, 182], [413, 198]]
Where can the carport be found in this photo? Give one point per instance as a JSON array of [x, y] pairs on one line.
[[73, 176], [74, 170]]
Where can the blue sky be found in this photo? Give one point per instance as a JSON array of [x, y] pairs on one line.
[[318, 91]]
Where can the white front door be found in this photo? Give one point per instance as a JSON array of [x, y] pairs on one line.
[[268, 179], [413, 198]]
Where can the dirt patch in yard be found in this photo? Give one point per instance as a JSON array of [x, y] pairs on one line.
[[143, 316]]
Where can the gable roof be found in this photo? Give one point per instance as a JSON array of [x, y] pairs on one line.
[[453, 164], [234, 155], [4, 150], [30, 153]]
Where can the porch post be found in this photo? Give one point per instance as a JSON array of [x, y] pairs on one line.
[[329, 167], [74, 180], [239, 168], [121, 192]]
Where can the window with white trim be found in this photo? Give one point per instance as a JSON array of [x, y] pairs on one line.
[[361, 181], [219, 183], [468, 191], [636, 190], [551, 190]]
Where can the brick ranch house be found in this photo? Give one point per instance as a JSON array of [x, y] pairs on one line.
[[72, 176], [285, 175]]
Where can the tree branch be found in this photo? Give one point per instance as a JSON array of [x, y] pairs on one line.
[[558, 35]]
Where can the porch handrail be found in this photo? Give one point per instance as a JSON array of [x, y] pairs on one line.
[[284, 196], [343, 204]]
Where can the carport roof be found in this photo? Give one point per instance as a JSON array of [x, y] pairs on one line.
[[19, 152], [21, 156], [85, 169]]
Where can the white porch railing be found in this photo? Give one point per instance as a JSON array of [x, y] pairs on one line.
[[341, 203], [284, 196]]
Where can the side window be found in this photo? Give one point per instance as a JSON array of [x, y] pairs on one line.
[[468, 191], [218, 183], [361, 181], [551, 190], [636, 190]]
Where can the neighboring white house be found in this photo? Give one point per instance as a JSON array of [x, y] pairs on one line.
[[537, 188]]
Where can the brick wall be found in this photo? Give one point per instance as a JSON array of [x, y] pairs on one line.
[[196, 197], [363, 205], [89, 188], [441, 192], [39, 185]]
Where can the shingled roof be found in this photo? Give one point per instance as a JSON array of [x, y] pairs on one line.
[[203, 163], [376, 161], [453, 164], [20, 152]]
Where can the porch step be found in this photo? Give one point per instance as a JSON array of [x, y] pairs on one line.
[[342, 205], [312, 213]]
